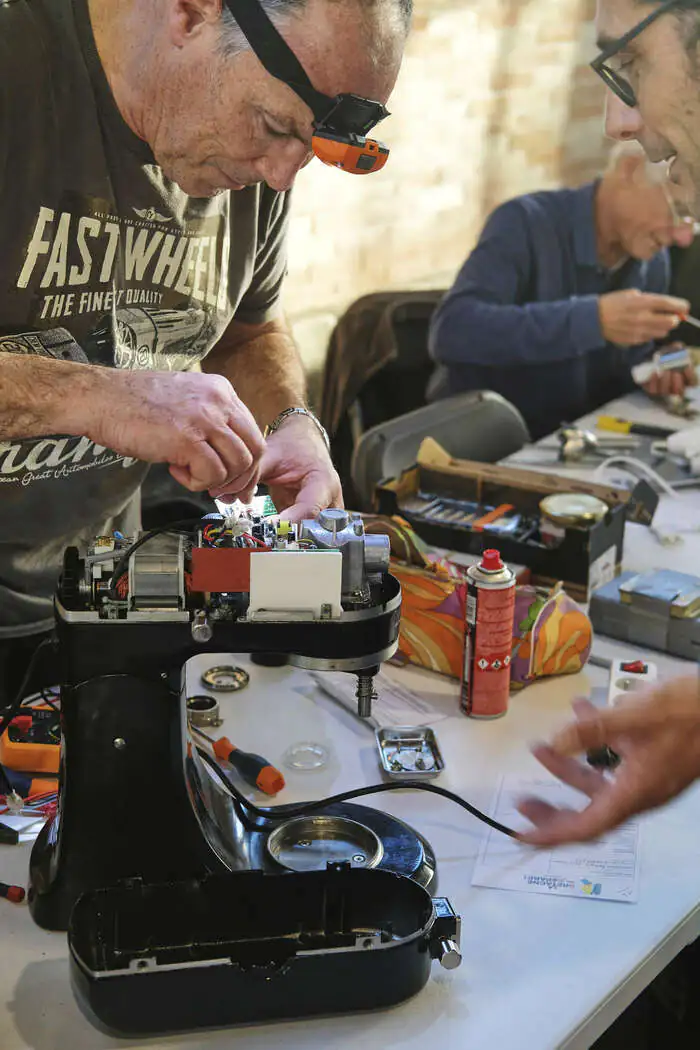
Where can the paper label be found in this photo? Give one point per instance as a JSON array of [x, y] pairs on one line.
[[607, 869], [602, 570]]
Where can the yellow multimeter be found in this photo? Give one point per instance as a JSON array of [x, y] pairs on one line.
[[32, 741]]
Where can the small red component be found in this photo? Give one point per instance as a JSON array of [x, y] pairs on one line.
[[221, 569], [635, 667], [16, 894], [491, 561], [23, 723]]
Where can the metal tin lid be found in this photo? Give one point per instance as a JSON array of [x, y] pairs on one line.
[[573, 508]]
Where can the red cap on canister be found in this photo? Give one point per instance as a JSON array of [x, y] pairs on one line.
[[491, 561]]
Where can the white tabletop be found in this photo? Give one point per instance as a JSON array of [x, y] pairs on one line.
[[539, 972]]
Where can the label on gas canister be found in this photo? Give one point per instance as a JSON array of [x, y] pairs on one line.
[[487, 653]]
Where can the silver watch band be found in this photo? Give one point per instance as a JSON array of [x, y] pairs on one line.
[[276, 423]]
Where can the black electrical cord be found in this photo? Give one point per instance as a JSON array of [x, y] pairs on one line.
[[13, 710], [198, 731], [49, 701], [123, 563], [301, 809]]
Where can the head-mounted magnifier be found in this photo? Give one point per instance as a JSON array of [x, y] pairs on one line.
[[341, 124]]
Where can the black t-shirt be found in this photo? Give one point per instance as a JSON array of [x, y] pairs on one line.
[[95, 240]]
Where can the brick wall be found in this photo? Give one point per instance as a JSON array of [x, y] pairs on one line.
[[494, 99]]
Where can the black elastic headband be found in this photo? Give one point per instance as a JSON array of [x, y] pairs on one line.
[[346, 113]]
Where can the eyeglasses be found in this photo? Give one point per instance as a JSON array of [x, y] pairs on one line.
[[613, 78]]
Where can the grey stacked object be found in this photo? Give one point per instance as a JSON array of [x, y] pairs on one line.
[[656, 610], [478, 425]]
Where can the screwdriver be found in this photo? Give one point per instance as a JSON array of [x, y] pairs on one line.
[[628, 426], [16, 894], [254, 769]]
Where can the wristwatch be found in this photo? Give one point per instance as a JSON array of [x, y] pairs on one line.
[[276, 423]]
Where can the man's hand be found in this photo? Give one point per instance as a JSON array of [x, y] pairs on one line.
[[631, 317], [673, 381], [194, 422], [298, 471], [658, 739]]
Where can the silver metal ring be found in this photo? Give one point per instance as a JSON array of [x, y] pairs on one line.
[[350, 663], [203, 710], [226, 679]]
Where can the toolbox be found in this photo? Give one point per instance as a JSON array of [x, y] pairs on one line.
[[582, 558], [253, 946]]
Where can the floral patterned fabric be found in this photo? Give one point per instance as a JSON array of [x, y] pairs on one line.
[[552, 635]]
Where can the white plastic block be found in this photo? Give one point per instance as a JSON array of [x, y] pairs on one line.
[[295, 585]]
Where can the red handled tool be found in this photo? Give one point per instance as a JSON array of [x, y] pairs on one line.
[[13, 893], [254, 769]]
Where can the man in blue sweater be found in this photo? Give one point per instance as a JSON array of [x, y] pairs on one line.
[[562, 296]]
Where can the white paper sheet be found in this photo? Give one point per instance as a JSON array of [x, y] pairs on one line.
[[395, 704], [680, 515], [603, 870]]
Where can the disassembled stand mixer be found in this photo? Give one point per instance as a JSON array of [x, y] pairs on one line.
[[179, 893]]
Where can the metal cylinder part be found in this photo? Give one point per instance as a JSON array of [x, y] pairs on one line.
[[377, 553], [450, 956], [203, 710], [334, 519], [202, 630], [365, 694]]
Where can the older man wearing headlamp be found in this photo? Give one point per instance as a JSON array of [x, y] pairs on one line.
[[148, 147]]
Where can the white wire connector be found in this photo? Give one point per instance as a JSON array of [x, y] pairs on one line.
[[635, 467]]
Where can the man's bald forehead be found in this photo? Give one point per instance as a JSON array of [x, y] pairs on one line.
[[380, 27], [348, 45]]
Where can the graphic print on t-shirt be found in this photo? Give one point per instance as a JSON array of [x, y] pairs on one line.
[[141, 290]]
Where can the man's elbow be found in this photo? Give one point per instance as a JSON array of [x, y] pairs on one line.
[[448, 340]]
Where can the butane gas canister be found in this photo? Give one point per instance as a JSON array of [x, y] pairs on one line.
[[488, 637]]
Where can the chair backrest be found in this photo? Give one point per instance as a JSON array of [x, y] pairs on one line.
[[377, 368], [478, 425], [400, 386]]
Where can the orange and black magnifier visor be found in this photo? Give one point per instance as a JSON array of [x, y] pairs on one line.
[[341, 124]]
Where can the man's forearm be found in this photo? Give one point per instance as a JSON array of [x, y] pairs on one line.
[[40, 396], [266, 370], [470, 330]]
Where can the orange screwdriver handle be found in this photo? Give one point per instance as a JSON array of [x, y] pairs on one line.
[[254, 769]]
